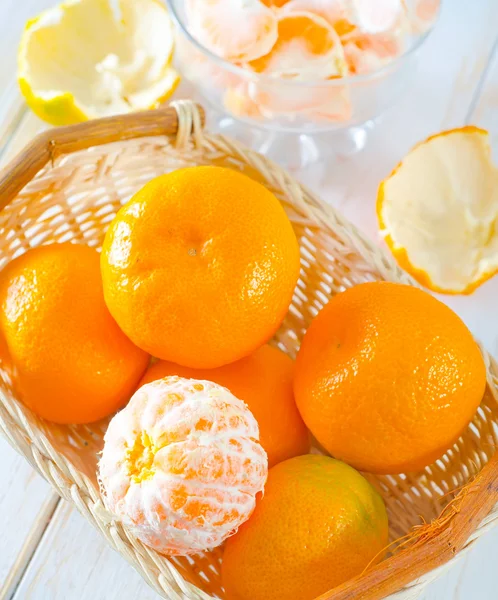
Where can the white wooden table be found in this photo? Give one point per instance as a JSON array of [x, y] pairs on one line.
[[47, 550]]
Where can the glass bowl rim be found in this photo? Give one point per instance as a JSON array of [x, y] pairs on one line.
[[336, 82]]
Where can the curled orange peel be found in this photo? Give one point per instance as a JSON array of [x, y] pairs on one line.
[[438, 211]]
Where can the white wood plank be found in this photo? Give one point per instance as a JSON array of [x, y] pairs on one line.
[[73, 561], [22, 493], [475, 577], [31, 542], [13, 16]]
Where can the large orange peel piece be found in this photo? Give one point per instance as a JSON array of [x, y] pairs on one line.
[[438, 211]]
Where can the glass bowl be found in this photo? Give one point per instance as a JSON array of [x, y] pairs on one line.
[[294, 122]]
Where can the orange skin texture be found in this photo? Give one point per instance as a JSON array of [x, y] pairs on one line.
[[70, 361], [200, 266], [387, 378], [263, 380], [318, 524], [400, 254]]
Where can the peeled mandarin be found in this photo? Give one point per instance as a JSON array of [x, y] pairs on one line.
[[71, 363], [181, 465], [236, 30]]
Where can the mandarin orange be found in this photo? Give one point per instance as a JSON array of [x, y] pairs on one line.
[[70, 361], [199, 268], [318, 524], [387, 377], [263, 380]]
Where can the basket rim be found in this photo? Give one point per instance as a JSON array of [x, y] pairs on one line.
[[183, 121]]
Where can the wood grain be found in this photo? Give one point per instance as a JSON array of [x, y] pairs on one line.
[[22, 493], [73, 563]]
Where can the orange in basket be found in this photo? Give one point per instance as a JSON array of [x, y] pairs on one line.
[[307, 48], [318, 524], [182, 465], [71, 362], [263, 381], [237, 30], [200, 266], [388, 377]]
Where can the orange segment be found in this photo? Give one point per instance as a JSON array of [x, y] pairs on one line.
[[307, 48], [438, 211], [237, 30]]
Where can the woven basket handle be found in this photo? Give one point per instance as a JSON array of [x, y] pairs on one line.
[[181, 119]]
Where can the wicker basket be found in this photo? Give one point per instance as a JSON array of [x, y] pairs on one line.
[[68, 185]]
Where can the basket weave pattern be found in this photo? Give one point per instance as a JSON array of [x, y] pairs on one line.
[[75, 196]]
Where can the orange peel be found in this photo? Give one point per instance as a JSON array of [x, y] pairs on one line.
[[238, 102], [375, 17], [423, 14], [366, 53], [307, 48], [332, 11], [438, 211], [236, 30]]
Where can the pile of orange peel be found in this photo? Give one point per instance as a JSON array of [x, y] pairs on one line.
[[303, 40]]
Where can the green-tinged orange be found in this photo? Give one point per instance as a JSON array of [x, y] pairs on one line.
[[318, 524]]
